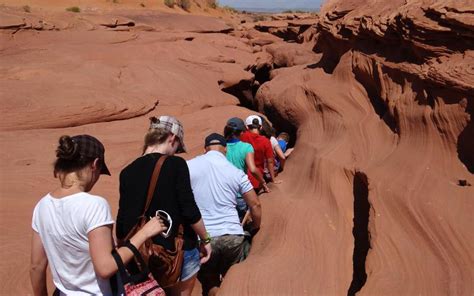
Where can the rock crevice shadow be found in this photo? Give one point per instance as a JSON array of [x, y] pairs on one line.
[[361, 232]]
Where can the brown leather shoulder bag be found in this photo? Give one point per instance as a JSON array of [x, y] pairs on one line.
[[165, 265]]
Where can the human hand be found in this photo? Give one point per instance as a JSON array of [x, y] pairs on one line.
[[265, 188], [154, 227], [277, 181], [205, 252], [247, 218]]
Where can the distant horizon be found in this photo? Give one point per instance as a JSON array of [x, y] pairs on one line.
[[273, 5]]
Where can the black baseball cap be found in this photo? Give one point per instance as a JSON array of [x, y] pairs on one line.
[[215, 139], [236, 123], [91, 147]]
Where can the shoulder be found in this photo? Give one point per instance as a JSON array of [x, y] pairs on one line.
[[43, 200], [244, 144], [197, 161], [175, 163], [262, 140], [236, 173], [175, 160], [249, 147], [89, 200], [41, 203], [274, 141], [137, 164], [245, 136], [265, 140], [146, 162], [246, 147]]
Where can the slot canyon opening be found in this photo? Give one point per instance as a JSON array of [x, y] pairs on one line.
[[361, 232], [262, 74], [281, 124], [245, 92]]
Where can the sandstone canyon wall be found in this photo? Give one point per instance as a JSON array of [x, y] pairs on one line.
[[377, 197]]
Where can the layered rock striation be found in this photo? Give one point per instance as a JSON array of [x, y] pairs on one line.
[[377, 198]]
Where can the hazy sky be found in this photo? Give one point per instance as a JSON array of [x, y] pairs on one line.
[[287, 4]]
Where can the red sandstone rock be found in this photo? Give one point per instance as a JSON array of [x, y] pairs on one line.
[[379, 95], [385, 134], [291, 54]]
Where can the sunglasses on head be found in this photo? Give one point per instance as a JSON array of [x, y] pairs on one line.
[[167, 221]]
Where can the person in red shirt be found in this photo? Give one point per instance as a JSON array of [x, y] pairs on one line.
[[262, 149]]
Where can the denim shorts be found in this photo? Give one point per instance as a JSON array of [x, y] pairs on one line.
[[191, 264], [241, 207]]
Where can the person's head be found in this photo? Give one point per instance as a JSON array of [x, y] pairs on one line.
[[82, 155], [215, 142], [267, 130], [284, 136], [234, 127], [254, 123], [166, 131]]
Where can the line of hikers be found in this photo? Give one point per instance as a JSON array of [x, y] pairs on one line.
[[209, 201]]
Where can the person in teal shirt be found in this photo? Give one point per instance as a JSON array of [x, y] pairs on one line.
[[237, 152], [241, 155]]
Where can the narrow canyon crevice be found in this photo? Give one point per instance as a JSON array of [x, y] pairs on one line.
[[332, 50], [262, 74], [242, 91], [281, 124], [361, 232], [245, 91], [369, 82], [465, 145]]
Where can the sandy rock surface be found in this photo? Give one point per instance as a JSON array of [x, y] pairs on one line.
[[377, 197]]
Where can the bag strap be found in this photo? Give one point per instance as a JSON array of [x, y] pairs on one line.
[[153, 181], [151, 190], [124, 274], [141, 263], [149, 197], [121, 267]]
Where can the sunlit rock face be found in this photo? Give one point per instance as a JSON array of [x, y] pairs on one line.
[[377, 198]]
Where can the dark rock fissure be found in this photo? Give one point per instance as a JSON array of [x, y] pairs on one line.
[[246, 91], [380, 107], [360, 231], [262, 74], [465, 144], [243, 92], [281, 124]]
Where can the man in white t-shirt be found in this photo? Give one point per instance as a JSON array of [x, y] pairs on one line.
[[216, 183]]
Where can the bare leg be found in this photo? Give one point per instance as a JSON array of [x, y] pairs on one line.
[[213, 291]]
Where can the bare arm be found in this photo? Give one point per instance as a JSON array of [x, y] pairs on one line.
[[200, 230], [250, 162], [271, 169], [255, 208], [281, 156], [38, 265], [101, 244]]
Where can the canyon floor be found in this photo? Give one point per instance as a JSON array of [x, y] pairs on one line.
[[377, 197]]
